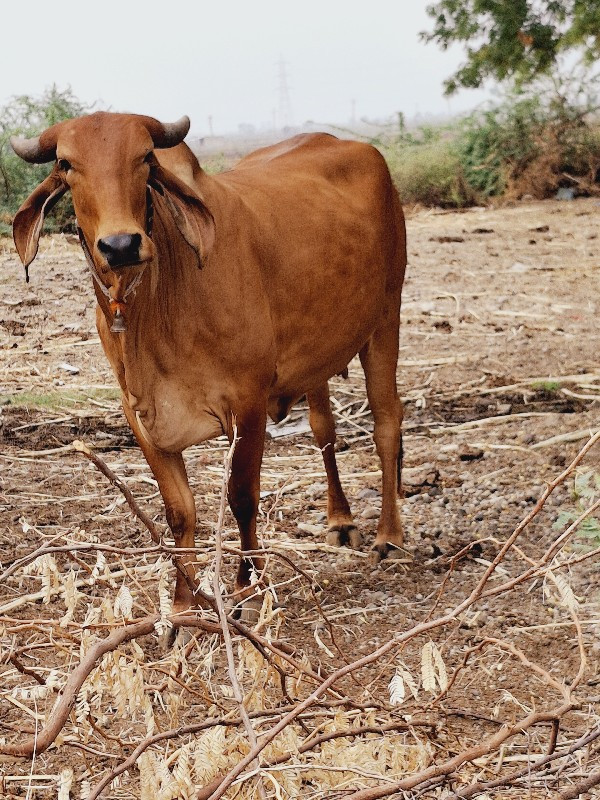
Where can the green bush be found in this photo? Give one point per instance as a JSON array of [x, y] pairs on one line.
[[529, 145], [28, 116], [495, 143], [429, 172]]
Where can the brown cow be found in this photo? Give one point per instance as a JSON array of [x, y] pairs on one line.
[[225, 298]]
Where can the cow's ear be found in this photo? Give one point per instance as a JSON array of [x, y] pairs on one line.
[[29, 219], [192, 218]]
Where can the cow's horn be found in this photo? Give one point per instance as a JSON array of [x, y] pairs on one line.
[[172, 133], [31, 150]]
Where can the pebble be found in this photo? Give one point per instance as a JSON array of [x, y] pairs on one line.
[[306, 527], [367, 494], [370, 512]]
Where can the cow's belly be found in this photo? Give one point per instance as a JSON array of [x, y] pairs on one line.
[[171, 424], [304, 365]]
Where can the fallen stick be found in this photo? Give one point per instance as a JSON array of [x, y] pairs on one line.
[[23, 600], [581, 787], [402, 639], [485, 422], [198, 727], [573, 436], [62, 708], [447, 767], [155, 533], [484, 786]]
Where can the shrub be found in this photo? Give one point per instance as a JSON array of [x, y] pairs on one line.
[[428, 172], [28, 116], [529, 145]]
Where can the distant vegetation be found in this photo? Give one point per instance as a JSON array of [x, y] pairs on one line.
[[545, 135], [530, 144], [28, 116]]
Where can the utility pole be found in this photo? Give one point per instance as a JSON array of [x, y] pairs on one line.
[[284, 109]]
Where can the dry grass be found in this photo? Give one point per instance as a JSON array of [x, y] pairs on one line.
[[394, 686]]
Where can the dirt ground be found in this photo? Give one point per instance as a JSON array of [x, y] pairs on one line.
[[498, 355]]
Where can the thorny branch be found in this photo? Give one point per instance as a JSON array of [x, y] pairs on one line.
[[324, 696]]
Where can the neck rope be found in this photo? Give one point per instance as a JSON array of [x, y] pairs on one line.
[[117, 307]]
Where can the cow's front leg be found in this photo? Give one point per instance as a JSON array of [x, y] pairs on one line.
[[169, 471], [244, 488]]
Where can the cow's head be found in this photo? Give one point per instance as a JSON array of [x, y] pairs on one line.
[[108, 162]]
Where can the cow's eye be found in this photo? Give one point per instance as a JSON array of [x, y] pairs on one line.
[[64, 165]]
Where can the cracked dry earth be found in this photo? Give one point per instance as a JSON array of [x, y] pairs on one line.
[[498, 356]]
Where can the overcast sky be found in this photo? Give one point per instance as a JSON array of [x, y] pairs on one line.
[[220, 58]]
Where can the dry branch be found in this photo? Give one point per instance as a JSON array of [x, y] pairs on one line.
[[324, 696], [488, 745], [80, 447], [532, 767]]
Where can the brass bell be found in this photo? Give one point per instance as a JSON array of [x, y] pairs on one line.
[[118, 324]]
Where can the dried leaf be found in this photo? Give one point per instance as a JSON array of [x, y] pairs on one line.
[[123, 603], [397, 690], [433, 669], [65, 781]]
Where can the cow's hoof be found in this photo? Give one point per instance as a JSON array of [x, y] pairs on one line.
[[250, 610], [344, 536], [246, 610], [386, 550], [167, 639]]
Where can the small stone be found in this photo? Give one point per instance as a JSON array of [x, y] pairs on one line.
[[366, 494], [370, 512], [316, 490], [305, 527], [64, 365], [467, 452], [423, 475]]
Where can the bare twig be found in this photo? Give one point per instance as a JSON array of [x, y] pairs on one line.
[[155, 533]]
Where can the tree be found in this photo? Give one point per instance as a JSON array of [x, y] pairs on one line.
[[28, 116], [513, 39]]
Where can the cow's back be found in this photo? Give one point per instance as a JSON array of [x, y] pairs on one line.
[[317, 221]]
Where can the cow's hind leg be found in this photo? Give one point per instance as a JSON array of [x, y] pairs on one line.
[[169, 471], [379, 358], [342, 529], [243, 495]]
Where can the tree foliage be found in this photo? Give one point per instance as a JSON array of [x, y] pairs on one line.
[[513, 39], [28, 116]]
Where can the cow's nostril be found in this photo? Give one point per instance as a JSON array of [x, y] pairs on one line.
[[121, 249]]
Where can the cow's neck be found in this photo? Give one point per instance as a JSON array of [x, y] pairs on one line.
[[177, 312], [195, 327]]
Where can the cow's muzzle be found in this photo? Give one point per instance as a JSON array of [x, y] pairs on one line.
[[121, 249]]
